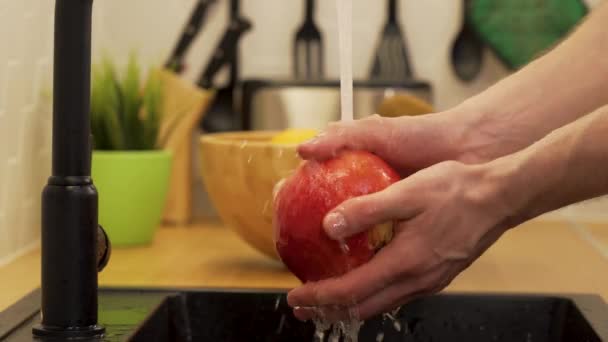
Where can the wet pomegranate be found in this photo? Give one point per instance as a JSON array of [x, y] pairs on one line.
[[302, 201]]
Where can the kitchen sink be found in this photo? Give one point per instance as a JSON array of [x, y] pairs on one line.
[[253, 315]]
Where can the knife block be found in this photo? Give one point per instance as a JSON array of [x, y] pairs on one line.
[[184, 107]]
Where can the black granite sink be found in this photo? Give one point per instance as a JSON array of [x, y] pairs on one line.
[[242, 316]]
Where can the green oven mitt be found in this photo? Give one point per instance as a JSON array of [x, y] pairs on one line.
[[520, 30]]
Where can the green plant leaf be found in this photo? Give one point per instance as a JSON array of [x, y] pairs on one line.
[[123, 115], [104, 123], [153, 95], [131, 104]]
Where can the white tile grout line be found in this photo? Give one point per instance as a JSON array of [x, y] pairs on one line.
[[23, 251], [586, 235]]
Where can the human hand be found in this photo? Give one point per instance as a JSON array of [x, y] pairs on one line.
[[445, 217], [407, 143], [467, 133]]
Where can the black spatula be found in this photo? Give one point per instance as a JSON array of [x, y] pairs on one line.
[[308, 48], [391, 61], [467, 51]]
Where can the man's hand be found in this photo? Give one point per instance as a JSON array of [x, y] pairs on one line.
[[407, 143], [445, 217]]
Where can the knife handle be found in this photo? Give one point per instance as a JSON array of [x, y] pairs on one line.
[[225, 51], [189, 32]]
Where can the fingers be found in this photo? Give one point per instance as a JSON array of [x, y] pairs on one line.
[[387, 299], [399, 293], [403, 292], [362, 213], [381, 271], [330, 313], [367, 134]]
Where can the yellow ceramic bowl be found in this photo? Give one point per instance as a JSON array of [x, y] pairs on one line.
[[240, 170]]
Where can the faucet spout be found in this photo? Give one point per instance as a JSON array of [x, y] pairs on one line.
[[69, 201]]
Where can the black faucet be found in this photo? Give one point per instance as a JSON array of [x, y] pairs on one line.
[[74, 247]]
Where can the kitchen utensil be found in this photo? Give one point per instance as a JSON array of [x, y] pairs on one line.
[[278, 105], [403, 104], [239, 171], [222, 117], [308, 49], [189, 32], [519, 30], [391, 61], [467, 51]]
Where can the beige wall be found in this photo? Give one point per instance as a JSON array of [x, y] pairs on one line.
[[25, 69]]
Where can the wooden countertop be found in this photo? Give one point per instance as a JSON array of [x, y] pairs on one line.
[[539, 256]]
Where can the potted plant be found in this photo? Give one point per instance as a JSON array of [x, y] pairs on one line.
[[130, 169]]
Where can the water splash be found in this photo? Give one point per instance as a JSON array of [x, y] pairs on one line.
[[345, 330], [243, 144], [335, 334], [321, 326], [392, 316]]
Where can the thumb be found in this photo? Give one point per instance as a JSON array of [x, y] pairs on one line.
[[362, 213]]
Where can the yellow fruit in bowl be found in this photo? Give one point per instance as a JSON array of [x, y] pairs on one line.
[[293, 136]]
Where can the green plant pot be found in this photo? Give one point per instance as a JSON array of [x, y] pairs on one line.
[[132, 188]]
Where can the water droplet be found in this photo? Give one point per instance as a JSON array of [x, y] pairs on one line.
[[249, 159], [276, 303], [391, 316], [277, 187], [380, 337], [344, 247], [265, 210], [281, 323], [397, 325]]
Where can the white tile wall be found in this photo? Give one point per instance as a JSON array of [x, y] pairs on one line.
[[25, 73], [151, 27]]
